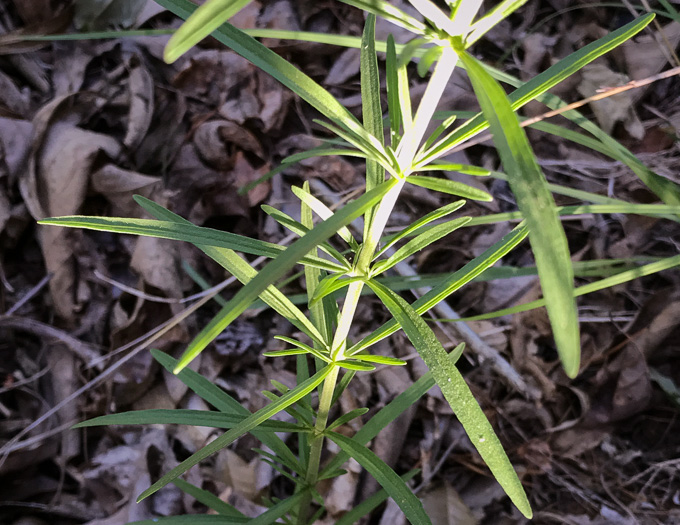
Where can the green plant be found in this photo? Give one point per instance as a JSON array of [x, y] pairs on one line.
[[405, 158]]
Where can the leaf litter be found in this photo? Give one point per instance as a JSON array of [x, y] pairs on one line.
[[85, 125]]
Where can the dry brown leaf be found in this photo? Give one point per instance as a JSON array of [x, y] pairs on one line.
[[611, 110], [444, 506], [60, 166], [623, 386], [119, 185], [157, 261], [12, 101], [141, 90], [100, 14], [646, 55], [342, 491], [237, 473], [574, 442], [14, 145], [218, 141], [345, 67], [65, 382]]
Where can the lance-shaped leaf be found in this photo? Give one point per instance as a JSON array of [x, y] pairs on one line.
[[452, 283], [197, 418], [331, 284], [540, 84], [184, 232], [324, 212], [451, 187], [419, 242], [457, 393], [547, 237], [280, 266], [208, 499], [389, 413], [395, 486], [298, 228], [240, 269], [211, 393], [387, 11], [199, 25], [371, 109], [247, 425], [414, 226], [603, 284]]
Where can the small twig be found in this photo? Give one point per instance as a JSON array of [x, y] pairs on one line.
[[83, 350], [602, 94], [29, 295], [25, 381]]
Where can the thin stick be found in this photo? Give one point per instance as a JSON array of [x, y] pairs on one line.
[[603, 93]]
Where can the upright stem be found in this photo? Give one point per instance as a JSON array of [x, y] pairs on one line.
[[339, 344]]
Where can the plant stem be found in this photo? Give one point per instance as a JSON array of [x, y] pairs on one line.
[[316, 445], [339, 344]]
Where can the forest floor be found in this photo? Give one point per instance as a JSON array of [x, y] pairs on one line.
[[86, 124]]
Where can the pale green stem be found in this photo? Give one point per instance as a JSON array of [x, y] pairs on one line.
[[340, 341], [380, 218], [316, 445], [435, 89]]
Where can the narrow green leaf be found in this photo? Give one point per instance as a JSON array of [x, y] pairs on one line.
[[540, 84], [331, 284], [403, 86], [323, 151], [419, 242], [430, 57], [454, 282], [279, 510], [321, 353], [208, 499], [240, 269], [446, 124], [191, 519], [285, 353], [351, 364], [457, 393], [371, 109], [199, 25], [492, 18], [278, 268], [320, 315], [184, 232], [387, 11], [379, 359], [414, 226], [223, 402], [247, 425], [346, 418], [370, 504], [392, 82], [602, 284], [294, 226], [390, 412], [451, 187], [197, 418], [460, 168], [547, 237], [395, 486], [324, 212]]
